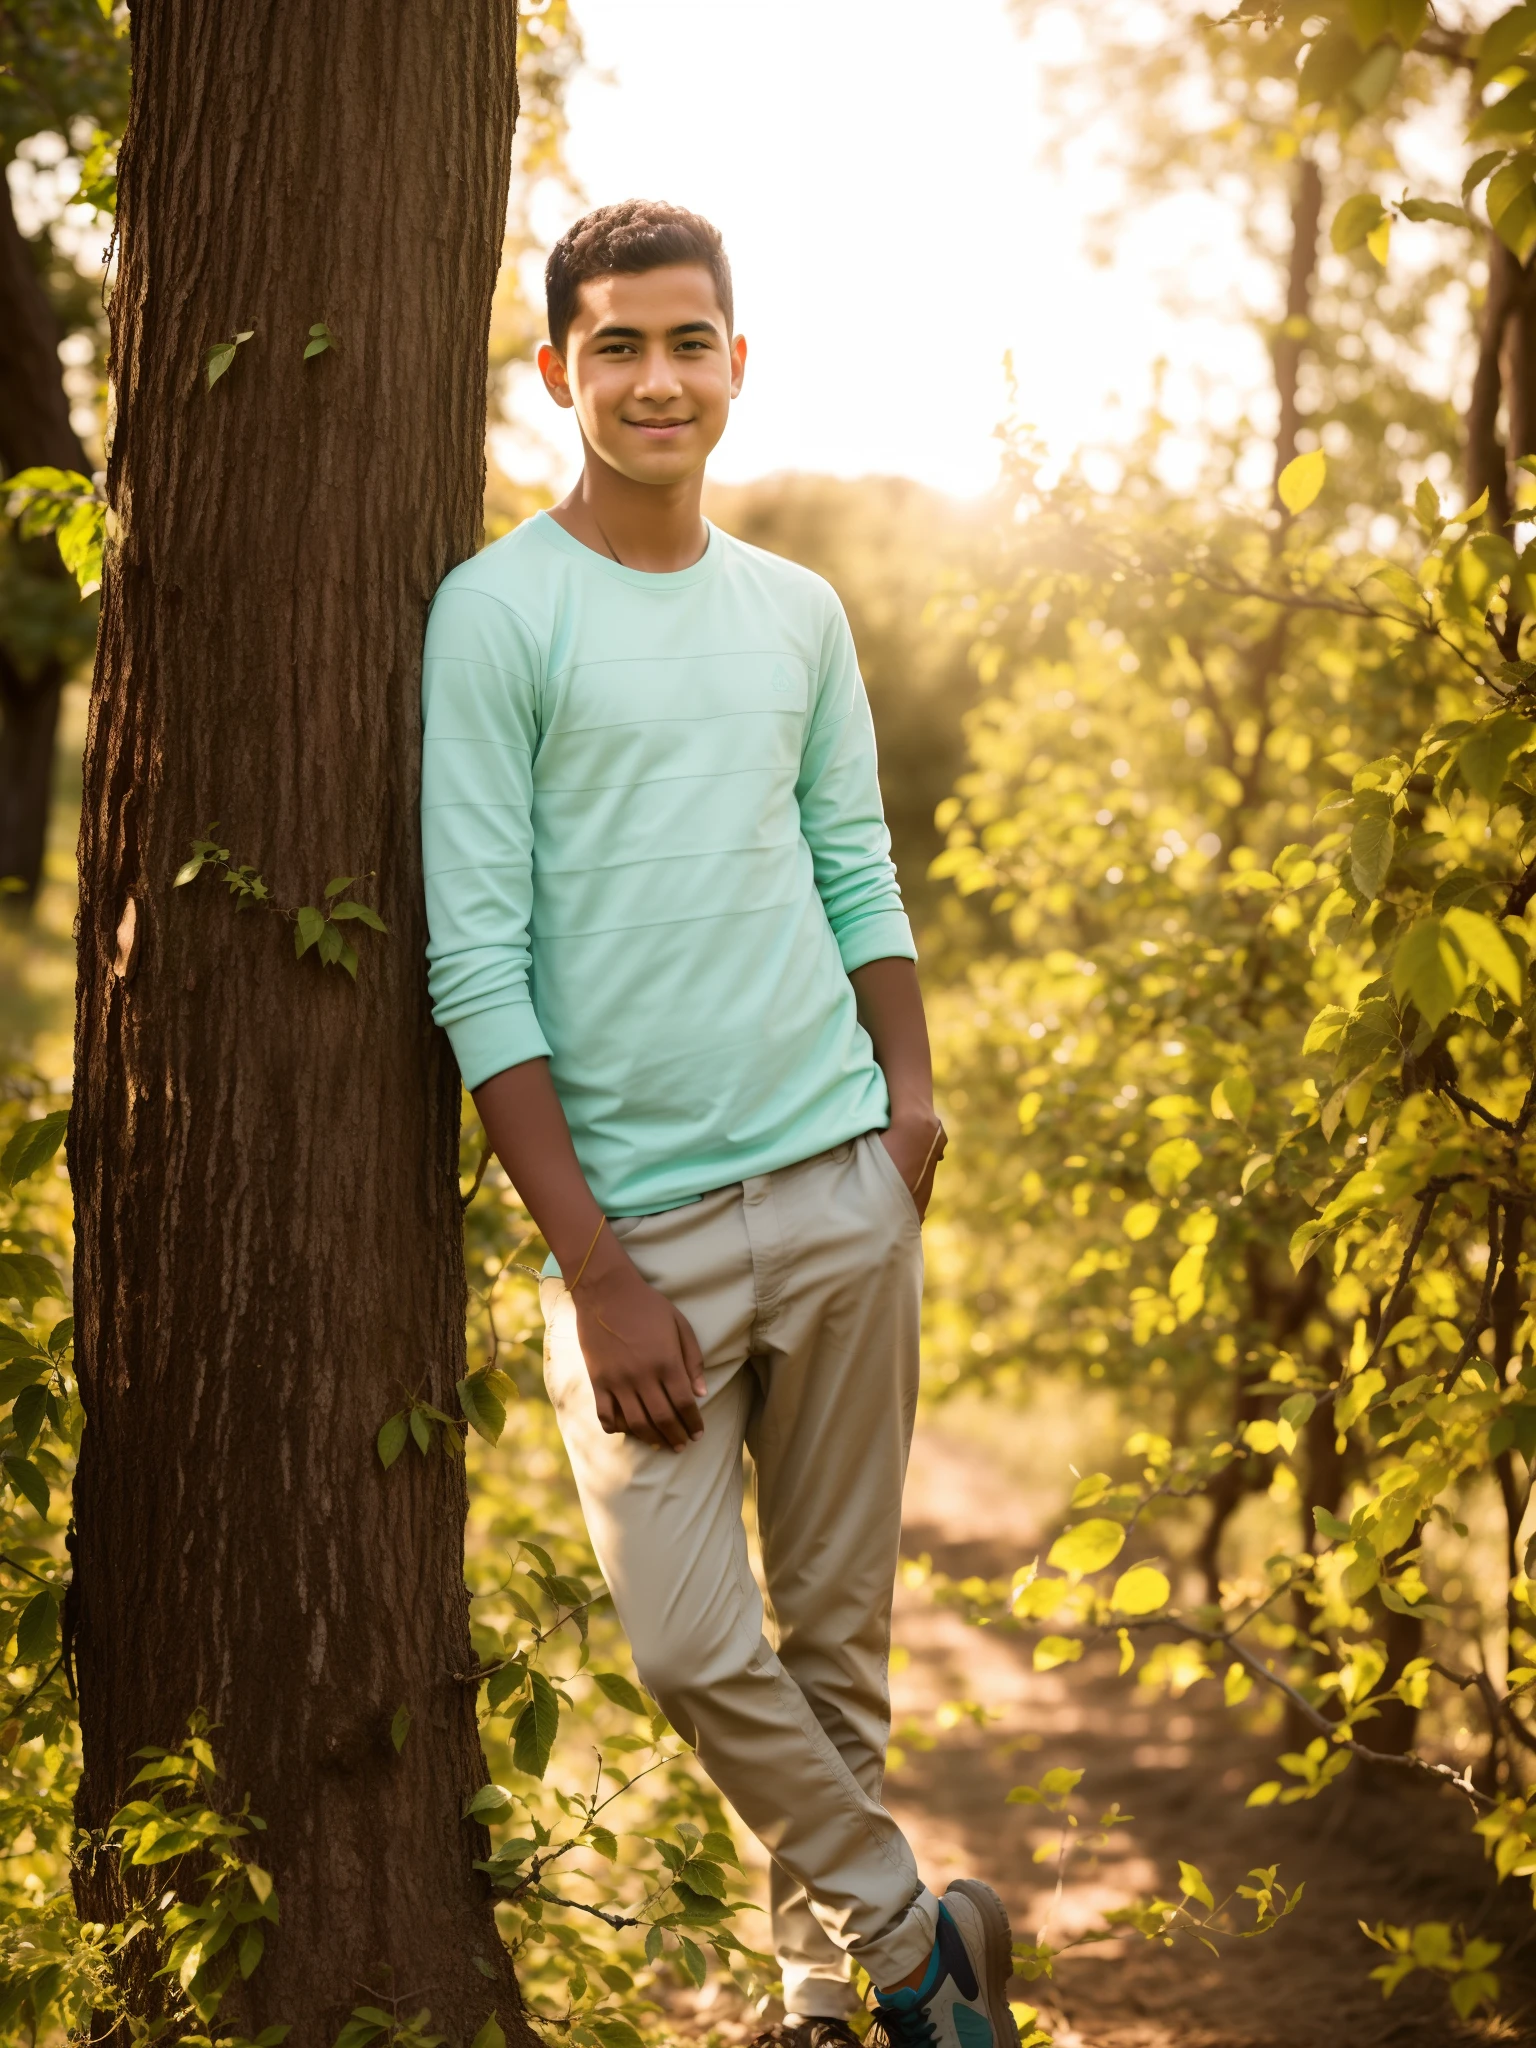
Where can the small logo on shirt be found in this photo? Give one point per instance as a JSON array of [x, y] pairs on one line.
[[782, 682]]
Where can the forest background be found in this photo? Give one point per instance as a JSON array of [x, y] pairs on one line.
[[1212, 786]]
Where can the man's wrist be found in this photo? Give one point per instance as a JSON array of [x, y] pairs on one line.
[[913, 1113], [609, 1262]]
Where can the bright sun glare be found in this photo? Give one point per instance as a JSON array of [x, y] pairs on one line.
[[876, 169]]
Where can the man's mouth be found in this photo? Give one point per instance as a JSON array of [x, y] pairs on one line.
[[661, 429]]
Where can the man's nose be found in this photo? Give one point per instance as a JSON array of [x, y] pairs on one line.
[[658, 378]]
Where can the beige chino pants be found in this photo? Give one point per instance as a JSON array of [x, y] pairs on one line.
[[803, 1288]]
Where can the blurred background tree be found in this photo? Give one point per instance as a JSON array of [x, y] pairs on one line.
[[63, 99]]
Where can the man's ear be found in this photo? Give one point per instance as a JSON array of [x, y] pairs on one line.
[[552, 370], [738, 364]]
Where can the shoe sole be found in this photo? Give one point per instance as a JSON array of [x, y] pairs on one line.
[[997, 1955]]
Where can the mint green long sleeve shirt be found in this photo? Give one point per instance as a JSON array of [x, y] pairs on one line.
[[654, 851]]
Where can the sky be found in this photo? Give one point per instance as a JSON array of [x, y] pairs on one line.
[[875, 167]]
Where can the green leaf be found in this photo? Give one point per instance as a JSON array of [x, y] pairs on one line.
[[357, 2033], [26, 1277], [533, 1732], [1088, 1547], [1354, 220], [1376, 77], [362, 911], [1260, 1163], [490, 2035], [1477, 170], [1053, 1650], [700, 1875], [320, 339], [484, 1411], [501, 1684], [616, 1687], [1141, 1590], [1357, 1396], [1428, 970], [489, 1803], [222, 354], [391, 1439], [1194, 1886], [309, 923], [1485, 752], [400, 1727], [189, 870], [67, 505], [1371, 846], [1140, 1219], [1171, 1165], [32, 1146], [1511, 205], [613, 2031], [37, 1632], [1301, 480], [28, 1414], [1434, 209], [1232, 1098], [1502, 39], [1487, 947], [27, 1480], [260, 1882], [693, 1958]]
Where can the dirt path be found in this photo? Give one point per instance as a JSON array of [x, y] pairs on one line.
[[1366, 1851]]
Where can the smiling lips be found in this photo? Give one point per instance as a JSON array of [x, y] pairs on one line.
[[658, 426]]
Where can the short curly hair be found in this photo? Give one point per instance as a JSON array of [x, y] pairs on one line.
[[634, 235]]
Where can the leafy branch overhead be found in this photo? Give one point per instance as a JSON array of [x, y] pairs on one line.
[[318, 926]]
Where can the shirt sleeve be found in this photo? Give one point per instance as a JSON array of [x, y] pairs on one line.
[[480, 726], [841, 814]]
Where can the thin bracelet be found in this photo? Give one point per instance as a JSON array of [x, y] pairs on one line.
[[591, 1248], [938, 1138]]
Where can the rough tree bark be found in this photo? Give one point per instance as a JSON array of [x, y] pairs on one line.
[[34, 432], [264, 1155]]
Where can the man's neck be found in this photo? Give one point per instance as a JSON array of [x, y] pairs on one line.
[[655, 527]]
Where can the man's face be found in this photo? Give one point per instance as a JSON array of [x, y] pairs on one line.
[[650, 371]]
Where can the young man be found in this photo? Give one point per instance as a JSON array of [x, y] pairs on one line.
[[668, 948]]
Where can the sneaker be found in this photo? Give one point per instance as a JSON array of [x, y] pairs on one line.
[[797, 2030], [962, 2002]]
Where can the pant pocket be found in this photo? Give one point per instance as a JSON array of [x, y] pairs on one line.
[[886, 1165]]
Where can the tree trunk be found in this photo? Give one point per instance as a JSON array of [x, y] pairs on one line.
[[34, 432], [1306, 218], [263, 1153]]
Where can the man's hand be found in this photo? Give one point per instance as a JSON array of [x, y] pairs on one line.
[[916, 1141], [644, 1361]]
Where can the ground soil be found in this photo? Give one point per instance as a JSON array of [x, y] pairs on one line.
[[1368, 1849]]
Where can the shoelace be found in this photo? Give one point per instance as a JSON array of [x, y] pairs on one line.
[[904, 2026]]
